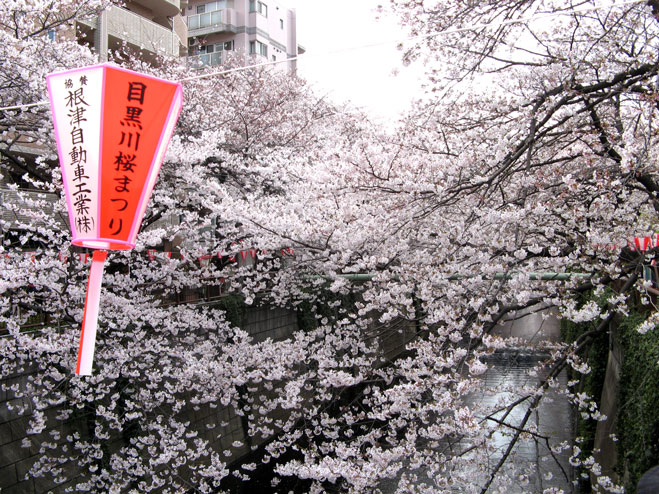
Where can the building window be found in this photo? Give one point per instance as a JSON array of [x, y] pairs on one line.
[[216, 47], [258, 48], [51, 34], [212, 6], [210, 54], [281, 23], [260, 7], [204, 59], [209, 18]]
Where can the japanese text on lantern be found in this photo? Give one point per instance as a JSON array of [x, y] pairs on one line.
[[77, 106], [126, 158]]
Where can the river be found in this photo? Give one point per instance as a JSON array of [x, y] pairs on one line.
[[508, 374]]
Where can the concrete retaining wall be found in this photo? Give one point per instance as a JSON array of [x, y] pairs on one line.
[[604, 447]]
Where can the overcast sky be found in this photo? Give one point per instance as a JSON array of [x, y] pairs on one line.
[[364, 76]]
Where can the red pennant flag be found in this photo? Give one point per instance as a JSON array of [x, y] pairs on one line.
[[642, 243]]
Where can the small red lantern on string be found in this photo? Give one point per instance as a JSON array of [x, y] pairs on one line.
[[112, 127]]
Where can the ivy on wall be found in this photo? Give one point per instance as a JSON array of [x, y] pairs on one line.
[[234, 307], [638, 416], [638, 413]]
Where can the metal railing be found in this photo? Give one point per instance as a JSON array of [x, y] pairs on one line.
[[142, 32], [215, 21]]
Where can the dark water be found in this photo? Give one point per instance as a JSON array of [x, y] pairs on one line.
[[553, 419]]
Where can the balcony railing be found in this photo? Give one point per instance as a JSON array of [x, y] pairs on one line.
[[141, 32], [205, 59], [217, 21]]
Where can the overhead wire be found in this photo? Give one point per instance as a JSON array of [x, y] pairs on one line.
[[472, 27], [446, 32]]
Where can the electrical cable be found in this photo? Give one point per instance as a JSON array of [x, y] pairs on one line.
[[521, 20]]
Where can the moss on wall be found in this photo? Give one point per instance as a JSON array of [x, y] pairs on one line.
[[234, 307]]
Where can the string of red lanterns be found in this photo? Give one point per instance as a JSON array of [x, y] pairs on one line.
[[152, 254]]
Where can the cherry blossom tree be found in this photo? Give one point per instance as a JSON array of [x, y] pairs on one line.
[[410, 247], [124, 428], [538, 150], [536, 156]]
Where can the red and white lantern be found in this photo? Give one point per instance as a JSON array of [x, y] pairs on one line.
[[112, 127]]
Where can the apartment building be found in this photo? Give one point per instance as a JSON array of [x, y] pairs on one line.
[[205, 32], [251, 30]]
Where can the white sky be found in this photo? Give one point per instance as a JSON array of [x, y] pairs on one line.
[[365, 76]]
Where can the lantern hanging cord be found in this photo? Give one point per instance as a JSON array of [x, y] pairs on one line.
[[382, 43]]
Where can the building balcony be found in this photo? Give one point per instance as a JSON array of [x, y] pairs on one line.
[[129, 27], [162, 8], [218, 21]]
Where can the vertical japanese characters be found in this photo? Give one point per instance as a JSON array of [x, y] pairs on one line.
[[127, 157], [77, 107]]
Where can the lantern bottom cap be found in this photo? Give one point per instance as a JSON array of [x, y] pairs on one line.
[[103, 244]]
